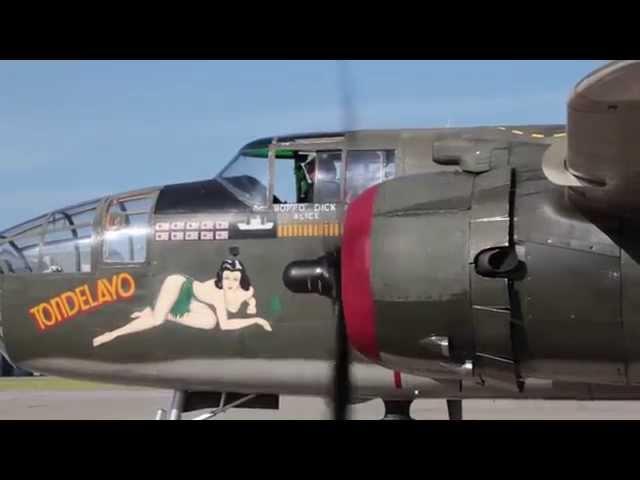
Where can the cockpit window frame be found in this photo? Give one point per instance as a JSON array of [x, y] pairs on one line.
[[98, 254], [8, 267], [342, 143], [271, 158], [40, 227], [345, 165], [313, 144], [239, 194]]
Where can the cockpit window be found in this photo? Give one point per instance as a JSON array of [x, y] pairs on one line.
[[59, 242], [27, 243], [248, 176], [327, 185], [366, 168], [127, 227], [305, 172], [60, 252], [285, 186], [308, 177], [11, 260]]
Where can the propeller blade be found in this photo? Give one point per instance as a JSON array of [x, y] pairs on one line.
[[321, 276], [342, 381], [341, 374]]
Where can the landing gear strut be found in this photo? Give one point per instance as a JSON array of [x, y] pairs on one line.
[[397, 409], [176, 408], [177, 405], [188, 401]]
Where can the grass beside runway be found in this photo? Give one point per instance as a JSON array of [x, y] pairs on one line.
[[55, 384]]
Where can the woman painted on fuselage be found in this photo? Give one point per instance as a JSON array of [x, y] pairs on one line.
[[198, 304]]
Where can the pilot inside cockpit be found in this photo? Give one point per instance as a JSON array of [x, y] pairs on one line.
[[305, 172], [298, 176], [318, 177]]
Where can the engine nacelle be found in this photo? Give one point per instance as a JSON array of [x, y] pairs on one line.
[[496, 275], [412, 294]]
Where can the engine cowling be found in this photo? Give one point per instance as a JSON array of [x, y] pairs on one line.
[[425, 260]]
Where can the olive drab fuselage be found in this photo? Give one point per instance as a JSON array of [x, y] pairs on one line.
[[182, 286]]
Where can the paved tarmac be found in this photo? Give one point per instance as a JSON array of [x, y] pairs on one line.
[[142, 404]]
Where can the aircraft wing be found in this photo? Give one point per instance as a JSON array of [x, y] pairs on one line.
[[599, 159]]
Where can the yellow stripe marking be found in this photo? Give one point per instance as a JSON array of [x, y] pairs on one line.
[[310, 230]]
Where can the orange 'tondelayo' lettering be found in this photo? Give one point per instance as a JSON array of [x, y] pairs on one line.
[[83, 298], [50, 318], [59, 308], [131, 285], [36, 314], [112, 285], [76, 306], [84, 301], [104, 295], [91, 302]]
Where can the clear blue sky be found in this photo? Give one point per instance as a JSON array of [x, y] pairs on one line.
[[74, 130]]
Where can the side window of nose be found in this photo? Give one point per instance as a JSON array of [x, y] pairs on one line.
[[58, 242], [68, 237], [127, 229]]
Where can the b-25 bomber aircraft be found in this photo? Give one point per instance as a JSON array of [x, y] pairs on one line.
[[453, 263]]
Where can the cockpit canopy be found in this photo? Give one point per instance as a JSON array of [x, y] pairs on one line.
[[57, 241], [62, 241], [305, 170], [292, 170]]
